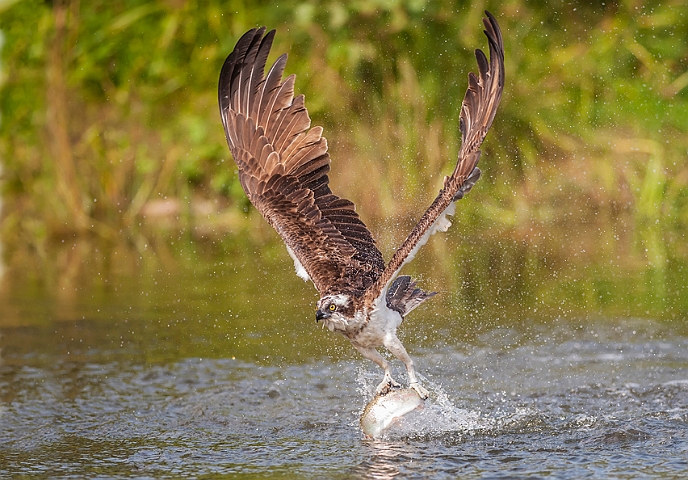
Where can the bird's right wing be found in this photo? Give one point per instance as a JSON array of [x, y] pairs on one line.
[[477, 113], [283, 166]]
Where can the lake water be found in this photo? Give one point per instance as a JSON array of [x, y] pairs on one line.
[[202, 366]]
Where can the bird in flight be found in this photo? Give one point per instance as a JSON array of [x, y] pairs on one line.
[[283, 167]]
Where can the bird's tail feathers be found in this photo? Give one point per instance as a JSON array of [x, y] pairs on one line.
[[403, 295]]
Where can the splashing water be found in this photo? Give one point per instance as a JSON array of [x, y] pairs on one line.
[[437, 417]]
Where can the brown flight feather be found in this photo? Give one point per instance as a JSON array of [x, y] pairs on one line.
[[477, 113], [283, 166]]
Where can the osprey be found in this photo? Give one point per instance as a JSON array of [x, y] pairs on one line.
[[283, 166]]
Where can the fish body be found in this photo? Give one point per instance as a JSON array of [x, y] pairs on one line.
[[382, 411]]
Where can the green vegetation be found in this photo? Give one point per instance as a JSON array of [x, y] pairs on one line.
[[110, 127]]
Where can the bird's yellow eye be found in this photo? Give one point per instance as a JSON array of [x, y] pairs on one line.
[[333, 307]]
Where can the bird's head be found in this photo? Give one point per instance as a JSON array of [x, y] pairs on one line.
[[335, 310]]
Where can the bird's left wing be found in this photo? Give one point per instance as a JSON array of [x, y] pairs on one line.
[[477, 113], [283, 166]]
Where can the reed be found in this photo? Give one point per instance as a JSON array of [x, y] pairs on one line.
[[110, 125]]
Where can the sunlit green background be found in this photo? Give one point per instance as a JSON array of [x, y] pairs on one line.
[[115, 170]]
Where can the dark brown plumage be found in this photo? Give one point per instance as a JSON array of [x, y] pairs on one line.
[[283, 169], [283, 166]]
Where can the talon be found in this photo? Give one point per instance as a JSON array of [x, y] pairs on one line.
[[386, 386], [422, 393]]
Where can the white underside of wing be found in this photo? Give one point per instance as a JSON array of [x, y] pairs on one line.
[[442, 224], [300, 271]]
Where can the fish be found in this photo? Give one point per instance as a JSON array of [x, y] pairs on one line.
[[383, 410]]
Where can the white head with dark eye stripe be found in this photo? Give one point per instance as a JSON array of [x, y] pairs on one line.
[[334, 310]]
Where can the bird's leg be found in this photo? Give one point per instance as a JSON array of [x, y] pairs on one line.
[[393, 344], [388, 382]]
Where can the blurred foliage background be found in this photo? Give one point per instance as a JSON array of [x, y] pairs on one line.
[[110, 131]]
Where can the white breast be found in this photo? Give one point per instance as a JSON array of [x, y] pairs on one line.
[[382, 325]]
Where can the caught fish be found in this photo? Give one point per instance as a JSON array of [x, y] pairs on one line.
[[383, 410]]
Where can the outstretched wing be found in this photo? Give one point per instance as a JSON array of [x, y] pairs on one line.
[[477, 112], [283, 166]]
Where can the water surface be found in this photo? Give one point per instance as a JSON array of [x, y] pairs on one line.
[[191, 372]]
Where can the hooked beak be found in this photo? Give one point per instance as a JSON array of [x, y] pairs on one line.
[[319, 315]]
